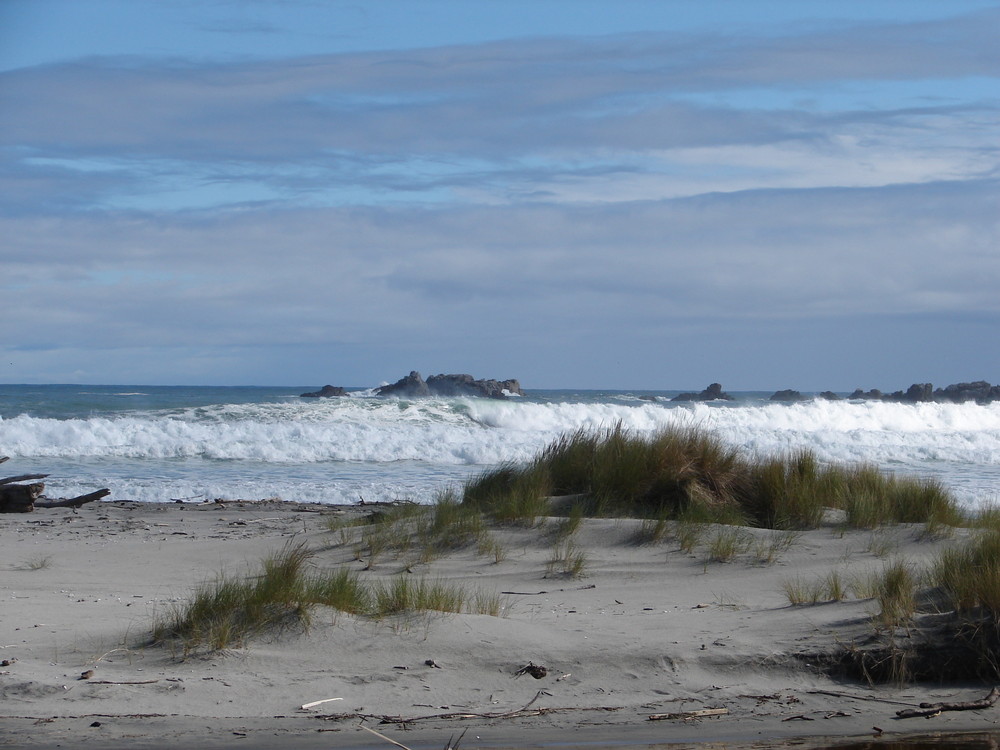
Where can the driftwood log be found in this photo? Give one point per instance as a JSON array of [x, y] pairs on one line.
[[927, 710], [24, 498]]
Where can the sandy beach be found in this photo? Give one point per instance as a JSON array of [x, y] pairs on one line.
[[644, 631]]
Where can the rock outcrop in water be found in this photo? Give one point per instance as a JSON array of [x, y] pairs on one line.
[[788, 396], [466, 385], [411, 386], [327, 391], [714, 392], [979, 391], [414, 386]]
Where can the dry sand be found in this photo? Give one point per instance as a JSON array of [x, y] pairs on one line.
[[646, 630]]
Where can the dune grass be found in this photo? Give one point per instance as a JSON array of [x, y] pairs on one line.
[[969, 576], [940, 624], [688, 472], [567, 560], [727, 543], [230, 610], [828, 588]]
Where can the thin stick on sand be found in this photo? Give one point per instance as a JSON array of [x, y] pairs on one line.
[[379, 734]]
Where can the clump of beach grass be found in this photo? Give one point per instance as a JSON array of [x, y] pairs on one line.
[[727, 543], [510, 494], [882, 543], [689, 534], [651, 531], [682, 470], [949, 615], [790, 492], [873, 498], [969, 577], [566, 527], [490, 546], [449, 524], [38, 562], [404, 594], [822, 589], [230, 610], [767, 550], [428, 531], [567, 561], [896, 594], [865, 584]]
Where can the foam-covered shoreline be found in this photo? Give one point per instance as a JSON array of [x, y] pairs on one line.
[[339, 450], [648, 630]]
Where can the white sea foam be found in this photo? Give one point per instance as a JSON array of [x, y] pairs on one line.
[[387, 446]]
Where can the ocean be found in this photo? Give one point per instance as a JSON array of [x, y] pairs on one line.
[[167, 443]]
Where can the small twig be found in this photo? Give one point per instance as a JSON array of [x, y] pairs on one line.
[[112, 651], [123, 682], [379, 734], [859, 697], [698, 714]]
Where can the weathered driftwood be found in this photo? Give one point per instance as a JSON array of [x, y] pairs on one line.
[[24, 498], [927, 710], [22, 478], [73, 502], [19, 498]]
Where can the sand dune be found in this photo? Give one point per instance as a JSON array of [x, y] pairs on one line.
[[645, 630]]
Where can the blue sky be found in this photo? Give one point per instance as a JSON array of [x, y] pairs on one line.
[[575, 193]]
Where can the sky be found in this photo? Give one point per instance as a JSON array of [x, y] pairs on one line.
[[630, 194]]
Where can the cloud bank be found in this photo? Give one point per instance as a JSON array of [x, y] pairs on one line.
[[813, 209]]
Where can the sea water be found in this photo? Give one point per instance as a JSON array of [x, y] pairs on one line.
[[161, 443]]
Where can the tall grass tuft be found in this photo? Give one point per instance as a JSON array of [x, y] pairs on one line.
[[450, 525], [969, 577], [567, 561], [790, 493], [874, 498], [510, 494], [403, 594], [229, 610], [896, 594]]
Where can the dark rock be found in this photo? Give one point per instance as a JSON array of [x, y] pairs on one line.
[[714, 392], [325, 392], [412, 386], [873, 395], [979, 391], [919, 392], [829, 396], [450, 386], [466, 385], [788, 395]]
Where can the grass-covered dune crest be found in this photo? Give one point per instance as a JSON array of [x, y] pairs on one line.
[[688, 472]]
